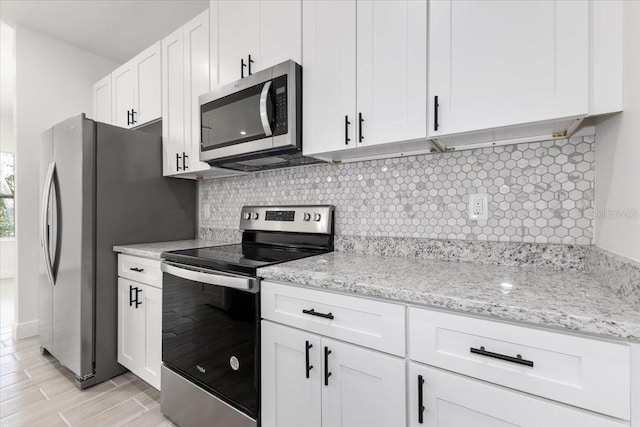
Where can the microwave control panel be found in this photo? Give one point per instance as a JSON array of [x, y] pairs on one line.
[[280, 119]]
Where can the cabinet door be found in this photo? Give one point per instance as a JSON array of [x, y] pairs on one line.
[[329, 84], [238, 37], [150, 334], [128, 325], [289, 398], [122, 95], [392, 70], [365, 388], [497, 63], [173, 131], [451, 400], [102, 100], [148, 85], [196, 83], [280, 33]]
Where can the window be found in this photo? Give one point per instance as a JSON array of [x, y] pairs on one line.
[[7, 206]]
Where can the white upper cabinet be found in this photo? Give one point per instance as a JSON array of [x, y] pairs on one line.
[[173, 117], [102, 100], [148, 85], [238, 37], [329, 76], [196, 83], [254, 34], [185, 76], [136, 88], [495, 63], [365, 73], [392, 71], [122, 83]]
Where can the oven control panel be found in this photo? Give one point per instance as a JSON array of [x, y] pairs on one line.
[[297, 219]]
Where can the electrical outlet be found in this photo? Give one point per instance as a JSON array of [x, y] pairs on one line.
[[478, 206]]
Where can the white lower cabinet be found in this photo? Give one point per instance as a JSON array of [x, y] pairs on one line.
[[442, 399], [140, 329], [313, 381]]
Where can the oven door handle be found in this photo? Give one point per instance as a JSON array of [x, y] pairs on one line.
[[206, 276], [264, 114]]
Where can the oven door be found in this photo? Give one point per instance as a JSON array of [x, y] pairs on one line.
[[210, 332], [238, 123]]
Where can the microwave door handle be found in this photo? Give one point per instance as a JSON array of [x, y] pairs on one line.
[[264, 114]]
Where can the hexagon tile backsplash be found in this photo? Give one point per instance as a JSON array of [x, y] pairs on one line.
[[540, 192]]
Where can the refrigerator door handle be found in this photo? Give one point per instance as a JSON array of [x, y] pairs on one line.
[[46, 199]]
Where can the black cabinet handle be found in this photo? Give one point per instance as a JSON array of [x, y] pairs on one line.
[[327, 374], [360, 120], [133, 116], [130, 296], [518, 359], [137, 301], [129, 117], [250, 62], [315, 313], [346, 130], [136, 269], [308, 367], [436, 105], [420, 400], [178, 162], [242, 65], [184, 161]]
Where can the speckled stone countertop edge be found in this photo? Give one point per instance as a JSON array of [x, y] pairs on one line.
[[154, 250], [588, 326]]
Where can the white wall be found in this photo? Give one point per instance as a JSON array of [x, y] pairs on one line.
[[618, 155], [53, 82], [7, 130]]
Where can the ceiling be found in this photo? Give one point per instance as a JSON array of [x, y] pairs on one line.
[[114, 29]]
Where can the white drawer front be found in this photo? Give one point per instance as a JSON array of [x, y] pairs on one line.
[[451, 400], [374, 324], [141, 270], [583, 372]]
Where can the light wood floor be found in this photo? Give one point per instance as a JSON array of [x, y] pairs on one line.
[[35, 390]]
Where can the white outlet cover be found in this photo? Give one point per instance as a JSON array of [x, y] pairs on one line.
[[478, 206]]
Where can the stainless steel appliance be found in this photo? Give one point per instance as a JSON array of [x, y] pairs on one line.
[[255, 123], [100, 185], [211, 314]]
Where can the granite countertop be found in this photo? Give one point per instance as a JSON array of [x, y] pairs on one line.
[[155, 250], [563, 299]]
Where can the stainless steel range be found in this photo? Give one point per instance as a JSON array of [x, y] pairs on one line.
[[211, 314]]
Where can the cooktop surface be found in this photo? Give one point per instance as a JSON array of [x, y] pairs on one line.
[[241, 257]]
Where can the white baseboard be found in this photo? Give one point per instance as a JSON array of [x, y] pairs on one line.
[[25, 330]]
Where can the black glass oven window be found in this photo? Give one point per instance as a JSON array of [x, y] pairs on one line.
[[210, 335]]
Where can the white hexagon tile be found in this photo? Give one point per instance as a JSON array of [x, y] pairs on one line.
[[540, 192]]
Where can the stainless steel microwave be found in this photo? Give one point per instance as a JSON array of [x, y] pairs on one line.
[[254, 123]]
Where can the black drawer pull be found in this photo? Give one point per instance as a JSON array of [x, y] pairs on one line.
[[315, 313], [308, 367], [518, 359], [136, 269], [420, 400], [327, 374]]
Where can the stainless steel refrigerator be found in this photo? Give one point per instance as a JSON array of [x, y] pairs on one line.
[[100, 186]]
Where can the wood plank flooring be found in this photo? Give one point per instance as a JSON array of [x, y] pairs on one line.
[[35, 390]]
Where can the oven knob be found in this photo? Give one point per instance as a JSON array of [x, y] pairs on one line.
[[316, 216], [247, 215], [255, 215], [306, 216]]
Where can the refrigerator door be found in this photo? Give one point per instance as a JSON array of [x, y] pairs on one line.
[[45, 280], [73, 236]]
